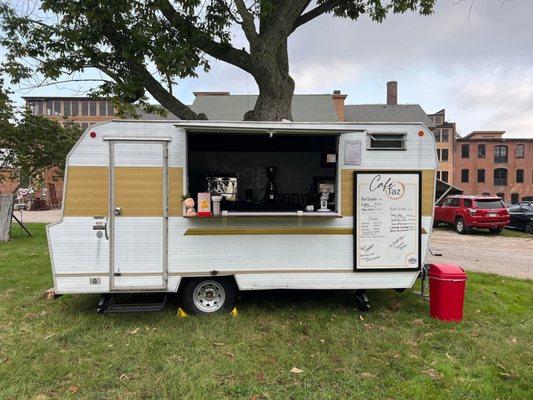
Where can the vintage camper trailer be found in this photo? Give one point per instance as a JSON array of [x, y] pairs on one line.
[[303, 206]]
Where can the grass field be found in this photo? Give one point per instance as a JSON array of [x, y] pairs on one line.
[[63, 349]]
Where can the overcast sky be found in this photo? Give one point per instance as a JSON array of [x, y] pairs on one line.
[[479, 68]]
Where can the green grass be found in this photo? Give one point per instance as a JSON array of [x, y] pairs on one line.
[[63, 349], [484, 232]]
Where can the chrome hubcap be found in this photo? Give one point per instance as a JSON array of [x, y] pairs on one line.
[[209, 296], [459, 225]]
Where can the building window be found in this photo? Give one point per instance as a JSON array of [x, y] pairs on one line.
[[445, 135], [465, 151], [75, 104], [501, 195], [444, 176], [519, 176], [500, 177], [36, 107], [438, 120], [438, 154], [481, 175], [92, 108], [481, 149], [438, 174], [444, 155], [66, 108], [437, 135], [53, 107], [84, 108], [110, 109], [500, 154], [519, 151], [102, 111], [515, 198], [464, 175]]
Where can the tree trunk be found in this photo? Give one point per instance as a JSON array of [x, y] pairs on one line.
[[6, 210], [276, 87]]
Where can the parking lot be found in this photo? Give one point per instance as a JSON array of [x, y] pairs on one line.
[[484, 252]]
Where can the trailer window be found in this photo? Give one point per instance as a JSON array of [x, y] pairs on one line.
[[386, 141]]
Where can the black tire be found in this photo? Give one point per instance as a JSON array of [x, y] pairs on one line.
[[460, 226], [495, 230], [195, 292], [529, 227]]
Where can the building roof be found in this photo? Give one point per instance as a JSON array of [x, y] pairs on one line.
[[305, 107], [386, 113], [484, 134]]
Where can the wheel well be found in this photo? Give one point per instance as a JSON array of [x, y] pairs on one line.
[[458, 217], [230, 278]]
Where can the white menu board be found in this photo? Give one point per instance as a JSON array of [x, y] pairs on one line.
[[387, 220]]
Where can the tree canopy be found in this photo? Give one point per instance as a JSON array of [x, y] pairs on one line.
[[147, 46]]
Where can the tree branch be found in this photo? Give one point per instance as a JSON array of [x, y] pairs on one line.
[[200, 39], [151, 84], [248, 24], [315, 12]]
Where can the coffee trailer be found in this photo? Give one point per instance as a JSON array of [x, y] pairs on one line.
[[312, 206]]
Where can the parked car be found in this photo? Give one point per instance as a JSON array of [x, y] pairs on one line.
[[521, 217], [467, 212]]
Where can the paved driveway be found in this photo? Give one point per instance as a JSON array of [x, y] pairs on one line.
[[482, 252]]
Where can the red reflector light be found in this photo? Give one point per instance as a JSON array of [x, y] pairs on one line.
[[92, 134]]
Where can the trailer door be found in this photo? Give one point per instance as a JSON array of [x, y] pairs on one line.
[[138, 214]]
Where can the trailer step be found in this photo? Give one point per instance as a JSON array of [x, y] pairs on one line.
[[111, 304]]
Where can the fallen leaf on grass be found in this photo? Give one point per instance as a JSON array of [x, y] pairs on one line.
[[322, 341], [218, 344], [73, 389], [417, 321], [434, 374], [123, 376], [49, 336], [366, 375], [295, 370], [361, 318], [133, 332], [260, 377], [231, 355], [514, 340], [506, 376]]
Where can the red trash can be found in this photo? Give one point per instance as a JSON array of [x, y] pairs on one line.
[[447, 284]]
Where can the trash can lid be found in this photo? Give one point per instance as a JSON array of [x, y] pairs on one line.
[[446, 271]]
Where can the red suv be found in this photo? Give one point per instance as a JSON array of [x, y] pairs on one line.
[[467, 212]]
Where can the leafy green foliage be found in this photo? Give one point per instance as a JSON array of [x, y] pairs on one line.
[[34, 144]]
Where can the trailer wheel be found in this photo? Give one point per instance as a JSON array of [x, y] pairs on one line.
[[208, 295]]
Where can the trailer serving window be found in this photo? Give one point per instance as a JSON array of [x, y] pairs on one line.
[[266, 173]]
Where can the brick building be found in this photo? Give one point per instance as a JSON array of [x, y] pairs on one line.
[[445, 138], [487, 163]]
